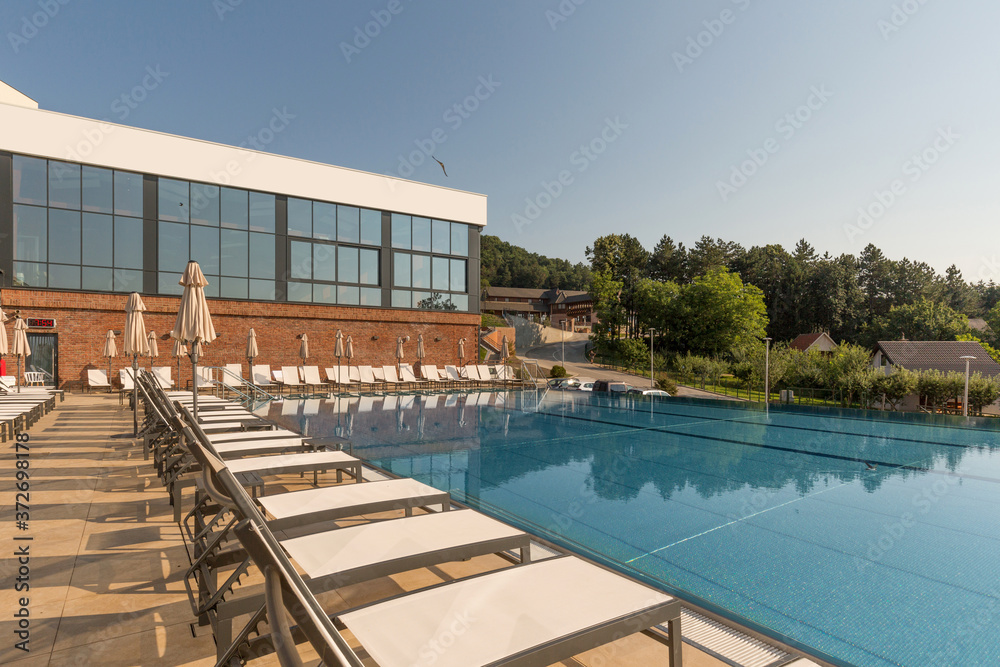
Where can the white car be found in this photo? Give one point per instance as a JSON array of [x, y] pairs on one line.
[[650, 392]]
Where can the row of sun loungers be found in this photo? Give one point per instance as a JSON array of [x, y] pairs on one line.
[[269, 557], [20, 411]]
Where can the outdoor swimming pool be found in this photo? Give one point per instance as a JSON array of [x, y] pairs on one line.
[[871, 538]]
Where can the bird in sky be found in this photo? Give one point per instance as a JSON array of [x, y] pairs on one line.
[[440, 163], [870, 466]]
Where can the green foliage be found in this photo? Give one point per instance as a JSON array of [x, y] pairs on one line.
[[895, 386], [717, 313], [605, 292], [667, 385], [506, 265], [990, 350], [921, 320], [490, 320], [982, 391], [558, 372], [938, 388], [850, 372]]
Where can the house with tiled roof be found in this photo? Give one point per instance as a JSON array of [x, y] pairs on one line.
[[538, 304], [819, 342]]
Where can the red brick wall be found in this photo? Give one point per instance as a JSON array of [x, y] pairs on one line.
[[83, 320]]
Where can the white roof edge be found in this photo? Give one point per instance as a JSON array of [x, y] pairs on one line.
[[11, 95], [103, 143]]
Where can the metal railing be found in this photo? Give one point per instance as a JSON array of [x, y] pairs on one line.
[[242, 387]]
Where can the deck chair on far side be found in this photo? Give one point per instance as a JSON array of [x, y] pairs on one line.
[[96, 379], [290, 378], [312, 379]]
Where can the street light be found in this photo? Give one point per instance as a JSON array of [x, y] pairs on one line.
[[562, 325], [767, 375], [965, 401], [652, 384]]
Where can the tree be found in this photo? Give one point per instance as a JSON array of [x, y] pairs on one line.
[[850, 371], [982, 392], [657, 304], [923, 320], [958, 294], [436, 301], [873, 278], [896, 385], [717, 313], [779, 276], [506, 265], [605, 292], [709, 254], [625, 260], [668, 261]]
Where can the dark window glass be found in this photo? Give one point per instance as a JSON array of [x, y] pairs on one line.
[[128, 246], [400, 269], [371, 227], [300, 292], [261, 212], [401, 231], [63, 276], [324, 262], [421, 234], [64, 238], [368, 267], [348, 296], [128, 281], [30, 274], [421, 271], [30, 181], [205, 204], [30, 233], [461, 302], [262, 290], [261, 257], [348, 224], [173, 247], [324, 221], [205, 249], [98, 190], [234, 208], [324, 293], [441, 237], [347, 259], [235, 254], [300, 260], [458, 275], [101, 280], [64, 187], [401, 299], [439, 273], [459, 240], [98, 242], [128, 194], [234, 288], [371, 296], [169, 283], [174, 200], [299, 217]]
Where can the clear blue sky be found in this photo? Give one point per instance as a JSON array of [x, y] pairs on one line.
[[678, 126]]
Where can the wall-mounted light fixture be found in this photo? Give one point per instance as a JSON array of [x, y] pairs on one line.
[[374, 337], [437, 339]]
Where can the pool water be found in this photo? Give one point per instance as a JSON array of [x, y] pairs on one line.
[[868, 538]]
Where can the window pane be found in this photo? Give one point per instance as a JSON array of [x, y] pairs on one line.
[[300, 260], [261, 256], [461, 302], [262, 290], [324, 262], [174, 200], [300, 292], [30, 233], [98, 190], [401, 299], [459, 239], [234, 208], [440, 274], [169, 283], [128, 194], [261, 212], [422, 234], [441, 232], [422, 300], [348, 262], [368, 273], [234, 288], [66, 277], [212, 288], [30, 274], [400, 269], [400, 231], [371, 296], [458, 275], [64, 186], [235, 248], [64, 238], [324, 221], [371, 227], [421, 271], [205, 204], [128, 245], [299, 217], [172, 250], [348, 296], [348, 224], [205, 249], [101, 280], [324, 293], [30, 180], [98, 241], [128, 281]]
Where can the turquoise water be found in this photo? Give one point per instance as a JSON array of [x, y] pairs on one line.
[[871, 538]]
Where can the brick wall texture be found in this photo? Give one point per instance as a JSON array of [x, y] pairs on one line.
[[83, 320]]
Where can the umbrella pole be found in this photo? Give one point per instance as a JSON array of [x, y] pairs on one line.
[[135, 395], [19, 374], [194, 383], [109, 375]]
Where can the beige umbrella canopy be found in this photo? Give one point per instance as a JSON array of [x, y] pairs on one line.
[[252, 351], [194, 322], [399, 346], [20, 347], [135, 326], [420, 346], [504, 350], [3, 333], [338, 346], [304, 348], [461, 350], [152, 349], [349, 350], [110, 349]]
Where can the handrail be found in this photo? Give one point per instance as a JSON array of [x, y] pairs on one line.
[[258, 393]]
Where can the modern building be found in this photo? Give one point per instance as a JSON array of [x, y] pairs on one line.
[[538, 304], [92, 211]]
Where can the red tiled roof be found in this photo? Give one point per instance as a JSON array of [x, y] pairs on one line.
[[803, 341]]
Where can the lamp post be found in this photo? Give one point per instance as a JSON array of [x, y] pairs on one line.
[[965, 401], [562, 325], [767, 375], [652, 382]]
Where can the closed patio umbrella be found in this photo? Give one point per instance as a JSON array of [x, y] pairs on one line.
[[110, 350], [304, 348], [399, 348], [3, 334], [461, 350], [20, 347], [504, 350], [180, 350], [152, 349], [252, 351], [338, 349], [194, 322], [349, 354], [420, 348], [135, 345]]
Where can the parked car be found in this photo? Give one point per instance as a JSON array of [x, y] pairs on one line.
[[611, 386], [586, 386], [648, 392]]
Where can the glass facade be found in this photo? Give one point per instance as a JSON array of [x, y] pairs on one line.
[[90, 228]]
